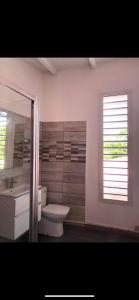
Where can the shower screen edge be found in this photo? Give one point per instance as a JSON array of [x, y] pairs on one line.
[[34, 182]]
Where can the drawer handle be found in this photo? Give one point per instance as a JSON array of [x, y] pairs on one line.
[[22, 213]]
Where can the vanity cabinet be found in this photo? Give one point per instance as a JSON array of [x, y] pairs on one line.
[[21, 204], [14, 215]]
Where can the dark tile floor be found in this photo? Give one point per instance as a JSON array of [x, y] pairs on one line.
[[77, 234]]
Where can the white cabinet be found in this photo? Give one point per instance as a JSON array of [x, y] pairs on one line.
[[21, 224], [14, 215], [21, 204]]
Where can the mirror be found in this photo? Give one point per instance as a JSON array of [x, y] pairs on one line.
[[15, 132], [15, 137], [12, 139]]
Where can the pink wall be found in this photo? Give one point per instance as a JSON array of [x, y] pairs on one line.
[[26, 77], [73, 95]]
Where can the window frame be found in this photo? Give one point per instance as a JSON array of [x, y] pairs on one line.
[[100, 149], [5, 145]]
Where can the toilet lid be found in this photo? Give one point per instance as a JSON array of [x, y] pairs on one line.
[[55, 209]]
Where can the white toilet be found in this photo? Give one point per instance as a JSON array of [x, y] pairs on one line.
[[52, 216]]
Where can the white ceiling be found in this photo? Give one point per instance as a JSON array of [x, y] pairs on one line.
[[54, 65]]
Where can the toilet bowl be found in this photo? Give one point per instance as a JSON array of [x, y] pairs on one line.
[[52, 217]]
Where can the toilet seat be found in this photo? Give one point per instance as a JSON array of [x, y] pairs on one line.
[[55, 210]]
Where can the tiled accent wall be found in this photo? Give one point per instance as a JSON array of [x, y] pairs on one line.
[[18, 145], [63, 163], [22, 144], [27, 143]]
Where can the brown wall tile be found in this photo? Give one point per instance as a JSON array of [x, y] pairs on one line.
[[52, 166], [28, 123], [76, 136], [53, 136], [74, 188], [77, 213], [54, 186], [27, 133], [54, 197], [73, 178], [52, 176], [73, 199], [74, 167], [75, 126], [54, 126]]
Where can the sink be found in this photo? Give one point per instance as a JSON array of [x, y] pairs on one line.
[[17, 191]]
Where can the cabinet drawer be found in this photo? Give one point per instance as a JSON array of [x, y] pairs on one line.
[[22, 203], [39, 212], [21, 224]]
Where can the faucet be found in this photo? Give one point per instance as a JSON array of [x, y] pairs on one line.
[[12, 181]]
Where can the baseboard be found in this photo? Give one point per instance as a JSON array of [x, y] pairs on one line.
[[74, 223], [102, 228], [112, 229]]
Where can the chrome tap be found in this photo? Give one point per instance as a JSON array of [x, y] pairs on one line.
[[12, 181]]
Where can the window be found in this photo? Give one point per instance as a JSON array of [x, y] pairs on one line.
[[3, 131], [115, 148]]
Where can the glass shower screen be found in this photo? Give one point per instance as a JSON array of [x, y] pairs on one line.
[[19, 156]]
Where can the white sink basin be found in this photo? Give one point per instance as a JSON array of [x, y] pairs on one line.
[[17, 191]]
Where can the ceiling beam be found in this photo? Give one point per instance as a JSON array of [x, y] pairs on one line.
[[92, 62], [47, 64]]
